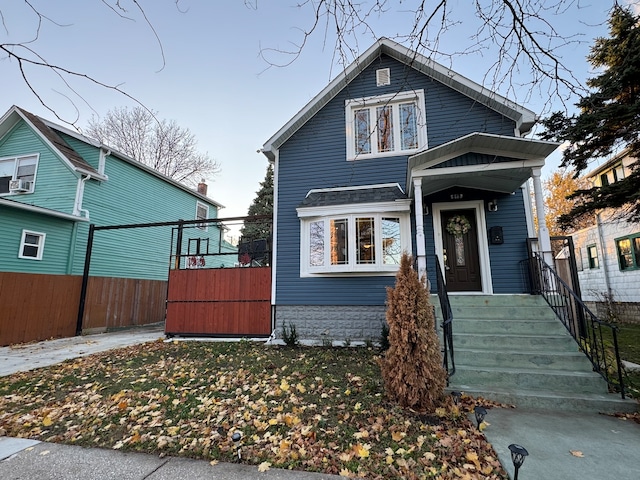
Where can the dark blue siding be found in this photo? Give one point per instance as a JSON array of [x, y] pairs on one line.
[[507, 258], [315, 157]]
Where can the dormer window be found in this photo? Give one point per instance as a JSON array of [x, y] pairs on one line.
[[385, 125], [613, 175], [17, 174]]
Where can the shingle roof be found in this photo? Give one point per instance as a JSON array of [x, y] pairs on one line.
[[350, 195], [63, 147]]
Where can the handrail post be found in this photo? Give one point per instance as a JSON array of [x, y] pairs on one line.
[[618, 362]]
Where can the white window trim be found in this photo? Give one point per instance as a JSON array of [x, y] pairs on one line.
[[307, 215], [15, 169], [483, 243], [389, 99], [200, 226], [40, 245]]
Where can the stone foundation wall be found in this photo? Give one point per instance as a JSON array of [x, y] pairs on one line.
[[331, 323], [622, 312]]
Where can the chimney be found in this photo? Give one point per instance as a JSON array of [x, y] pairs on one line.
[[202, 188]]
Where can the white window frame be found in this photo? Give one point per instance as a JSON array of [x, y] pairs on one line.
[[16, 160], [40, 245], [392, 100], [202, 226], [399, 209]]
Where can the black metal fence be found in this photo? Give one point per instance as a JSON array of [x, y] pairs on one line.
[[585, 327]]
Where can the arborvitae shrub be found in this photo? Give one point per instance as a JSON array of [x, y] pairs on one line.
[[412, 366]]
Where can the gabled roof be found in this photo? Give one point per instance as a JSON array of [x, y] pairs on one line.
[[56, 143], [519, 156], [48, 131], [619, 157], [523, 117]]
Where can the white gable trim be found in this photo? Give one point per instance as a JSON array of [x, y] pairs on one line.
[[523, 117]]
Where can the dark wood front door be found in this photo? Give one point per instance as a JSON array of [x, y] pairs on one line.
[[460, 250]]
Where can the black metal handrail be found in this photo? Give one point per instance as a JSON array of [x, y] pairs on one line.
[[447, 323], [585, 327]]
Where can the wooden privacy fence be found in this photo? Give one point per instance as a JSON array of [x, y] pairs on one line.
[[123, 302], [219, 302], [38, 307]]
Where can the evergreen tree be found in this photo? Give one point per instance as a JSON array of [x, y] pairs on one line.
[[412, 366], [259, 229], [608, 120]]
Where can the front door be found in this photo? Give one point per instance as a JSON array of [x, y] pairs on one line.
[[460, 250]]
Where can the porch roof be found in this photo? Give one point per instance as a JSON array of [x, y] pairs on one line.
[[514, 160], [351, 195]]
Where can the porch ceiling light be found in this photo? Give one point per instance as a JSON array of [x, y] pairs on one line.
[[518, 453], [480, 413], [492, 206]]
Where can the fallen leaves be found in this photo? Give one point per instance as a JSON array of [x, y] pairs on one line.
[[313, 409], [576, 453]]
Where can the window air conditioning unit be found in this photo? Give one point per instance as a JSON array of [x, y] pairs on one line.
[[19, 185]]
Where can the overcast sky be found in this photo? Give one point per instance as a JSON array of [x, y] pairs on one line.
[[205, 70]]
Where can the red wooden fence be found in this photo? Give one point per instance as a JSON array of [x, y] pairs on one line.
[[219, 302]]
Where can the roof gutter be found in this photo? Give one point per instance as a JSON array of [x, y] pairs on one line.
[[41, 210]]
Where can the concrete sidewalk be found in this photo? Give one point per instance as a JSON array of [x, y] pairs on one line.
[[31, 460], [565, 445], [29, 356]]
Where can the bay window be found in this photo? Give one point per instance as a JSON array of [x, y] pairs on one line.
[[367, 242]]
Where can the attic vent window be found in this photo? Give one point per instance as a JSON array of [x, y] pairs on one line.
[[383, 77]]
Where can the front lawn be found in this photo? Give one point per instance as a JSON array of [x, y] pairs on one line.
[[629, 346], [316, 409], [629, 342]]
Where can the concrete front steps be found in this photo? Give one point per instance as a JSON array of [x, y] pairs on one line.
[[512, 349]]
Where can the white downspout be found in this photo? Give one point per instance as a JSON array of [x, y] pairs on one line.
[[104, 153], [601, 245], [77, 207]]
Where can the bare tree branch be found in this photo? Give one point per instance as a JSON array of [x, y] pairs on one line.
[[524, 40], [160, 144], [26, 55]]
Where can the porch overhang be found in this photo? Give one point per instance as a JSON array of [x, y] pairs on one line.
[[512, 162]]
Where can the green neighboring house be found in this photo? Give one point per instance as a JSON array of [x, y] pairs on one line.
[[54, 183]]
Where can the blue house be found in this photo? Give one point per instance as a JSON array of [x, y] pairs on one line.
[[399, 154], [54, 183]]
